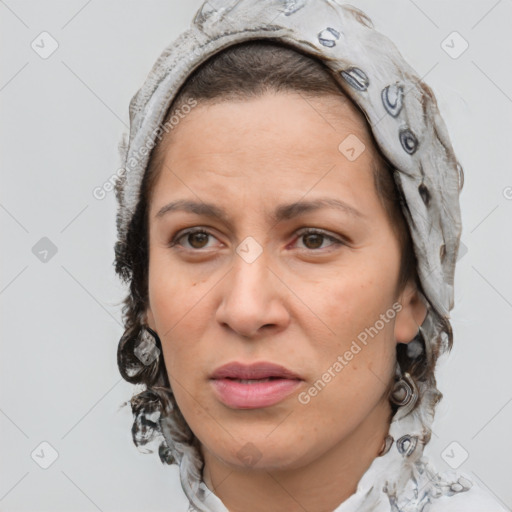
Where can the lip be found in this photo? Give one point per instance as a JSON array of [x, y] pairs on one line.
[[259, 370], [240, 395]]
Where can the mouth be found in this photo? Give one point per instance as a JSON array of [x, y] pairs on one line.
[[253, 372], [254, 381], [254, 386], [253, 393]]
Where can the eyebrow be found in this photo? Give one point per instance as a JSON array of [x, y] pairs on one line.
[[282, 212]]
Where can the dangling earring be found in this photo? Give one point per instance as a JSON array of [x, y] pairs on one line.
[[386, 445], [146, 348], [405, 394]]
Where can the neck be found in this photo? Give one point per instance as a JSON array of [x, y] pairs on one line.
[[320, 486]]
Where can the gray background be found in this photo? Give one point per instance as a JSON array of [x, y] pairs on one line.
[[61, 120]]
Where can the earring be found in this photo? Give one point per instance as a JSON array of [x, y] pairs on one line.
[[386, 445], [146, 348], [405, 394]]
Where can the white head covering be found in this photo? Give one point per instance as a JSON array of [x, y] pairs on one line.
[[405, 121]]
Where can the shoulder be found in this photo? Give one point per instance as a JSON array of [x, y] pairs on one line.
[[475, 499]]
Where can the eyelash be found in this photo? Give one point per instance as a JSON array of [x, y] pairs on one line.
[[304, 232]]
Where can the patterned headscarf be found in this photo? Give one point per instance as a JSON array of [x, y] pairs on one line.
[[406, 124]]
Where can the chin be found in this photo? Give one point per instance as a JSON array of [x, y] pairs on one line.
[[265, 453]]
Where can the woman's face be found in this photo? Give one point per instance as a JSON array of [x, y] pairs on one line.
[[258, 288]]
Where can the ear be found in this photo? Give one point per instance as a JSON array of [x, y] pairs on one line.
[[412, 314]]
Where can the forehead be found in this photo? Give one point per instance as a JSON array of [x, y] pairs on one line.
[[290, 125], [284, 143]]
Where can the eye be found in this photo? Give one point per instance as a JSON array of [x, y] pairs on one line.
[[314, 238], [196, 237]]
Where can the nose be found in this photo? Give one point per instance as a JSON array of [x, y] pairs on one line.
[[253, 299]]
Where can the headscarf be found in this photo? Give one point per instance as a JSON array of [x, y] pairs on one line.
[[407, 126]]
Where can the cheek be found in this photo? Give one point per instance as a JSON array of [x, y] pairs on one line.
[[357, 362], [176, 304], [359, 314], [355, 302], [173, 293]]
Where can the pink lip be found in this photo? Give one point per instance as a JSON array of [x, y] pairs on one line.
[[260, 370], [253, 396], [236, 394]]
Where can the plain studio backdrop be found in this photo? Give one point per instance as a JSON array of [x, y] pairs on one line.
[[69, 70]]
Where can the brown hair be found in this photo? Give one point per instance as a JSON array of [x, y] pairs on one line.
[[239, 72]]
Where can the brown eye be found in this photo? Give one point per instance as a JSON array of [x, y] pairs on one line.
[[196, 239], [313, 239]]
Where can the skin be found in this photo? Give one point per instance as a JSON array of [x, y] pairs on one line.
[[300, 304]]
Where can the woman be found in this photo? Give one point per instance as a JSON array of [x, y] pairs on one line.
[[289, 224]]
